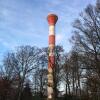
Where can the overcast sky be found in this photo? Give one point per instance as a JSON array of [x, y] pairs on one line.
[[24, 22]]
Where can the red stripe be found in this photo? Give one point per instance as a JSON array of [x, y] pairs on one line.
[[51, 61], [52, 39]]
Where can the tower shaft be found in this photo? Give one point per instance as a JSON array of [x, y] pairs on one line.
[[52, 19]]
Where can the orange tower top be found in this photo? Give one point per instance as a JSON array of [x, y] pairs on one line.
[[52, 19]]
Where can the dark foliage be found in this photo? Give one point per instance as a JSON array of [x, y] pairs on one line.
[[26, 93]]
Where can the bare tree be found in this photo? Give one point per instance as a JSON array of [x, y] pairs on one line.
[[41, 78], [20, 64], [87, 45]]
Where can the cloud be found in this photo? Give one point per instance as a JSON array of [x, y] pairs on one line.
[[8, 44], [59, 38], [24, 21]]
